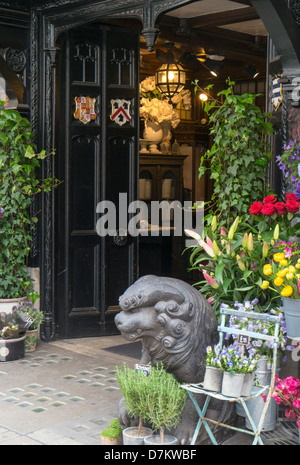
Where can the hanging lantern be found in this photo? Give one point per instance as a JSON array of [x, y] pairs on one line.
[[170, 79]]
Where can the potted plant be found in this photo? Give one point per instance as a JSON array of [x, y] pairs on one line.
[[19, 182], [12, 336], [213, 373], [134, 386], [112, 436], [235, 365], [34, 318], [166, 402]]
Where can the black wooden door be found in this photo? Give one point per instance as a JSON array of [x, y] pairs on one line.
[[97, 160]]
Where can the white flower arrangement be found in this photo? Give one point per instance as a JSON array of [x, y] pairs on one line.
[[158, 111], [156, 108]]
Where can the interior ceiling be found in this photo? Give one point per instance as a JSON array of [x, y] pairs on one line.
[[221, 28]]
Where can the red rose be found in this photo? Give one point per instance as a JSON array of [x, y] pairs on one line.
[[269, 199], [290, 196], [255, 208], [268, 209], [280, 208], [292, 206]]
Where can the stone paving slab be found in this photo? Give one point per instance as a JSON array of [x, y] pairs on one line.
[[65, 392]]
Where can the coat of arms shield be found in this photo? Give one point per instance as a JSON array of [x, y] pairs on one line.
[[85, 109], [120, 111], [277, 96]]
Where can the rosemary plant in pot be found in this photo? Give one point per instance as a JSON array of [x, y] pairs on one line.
[[166, 402], [134, 386], [19, 164]]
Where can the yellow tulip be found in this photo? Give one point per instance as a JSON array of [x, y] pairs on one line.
[[292, 269], [289, 276], [298, 266], [265, 284], [278, 281], [287, 291], [278, 256], [283, 262], [282, 273], [267, 270]]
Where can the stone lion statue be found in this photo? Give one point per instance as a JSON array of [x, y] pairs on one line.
[[175, 324]]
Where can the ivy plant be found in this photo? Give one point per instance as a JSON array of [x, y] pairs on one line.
[[19, 163], [239, 156]]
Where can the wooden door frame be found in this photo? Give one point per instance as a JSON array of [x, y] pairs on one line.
[[47, 23]]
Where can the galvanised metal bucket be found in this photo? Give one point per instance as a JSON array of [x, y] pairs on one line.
[[263, 376], [291, 308]]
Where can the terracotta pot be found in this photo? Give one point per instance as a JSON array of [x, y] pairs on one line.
[[105, 441], [31, 339]]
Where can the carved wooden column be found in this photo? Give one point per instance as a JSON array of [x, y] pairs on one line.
[[47, 252]]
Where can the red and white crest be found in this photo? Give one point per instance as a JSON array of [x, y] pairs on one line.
[[85, 109], [120, 111]]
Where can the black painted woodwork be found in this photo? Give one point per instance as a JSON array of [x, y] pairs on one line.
[[96, 162]]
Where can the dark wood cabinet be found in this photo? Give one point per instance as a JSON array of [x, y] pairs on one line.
[[161, 179], [163, 175]]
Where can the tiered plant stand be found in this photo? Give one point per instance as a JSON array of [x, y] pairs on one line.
[[198, 388]]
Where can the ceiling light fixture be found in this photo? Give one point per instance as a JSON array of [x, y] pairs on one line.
[[213, 66], [251, 71], [170, 77]]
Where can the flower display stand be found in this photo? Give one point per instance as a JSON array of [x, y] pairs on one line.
[[192, 389]]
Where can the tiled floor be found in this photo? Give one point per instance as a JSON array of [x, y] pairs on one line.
[[66, 393], [63, 393]]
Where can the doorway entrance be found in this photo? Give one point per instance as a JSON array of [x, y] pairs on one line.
[[96, 160]]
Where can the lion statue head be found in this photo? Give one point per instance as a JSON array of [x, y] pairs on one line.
[[174, 322]]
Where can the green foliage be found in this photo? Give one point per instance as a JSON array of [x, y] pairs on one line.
[[156, 398], [239, 157], [19, 163], [113, 431], [27, 307], [134, 388], [166, 400], [232, 263]]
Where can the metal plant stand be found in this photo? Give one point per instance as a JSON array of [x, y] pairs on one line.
[[198, 388]]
